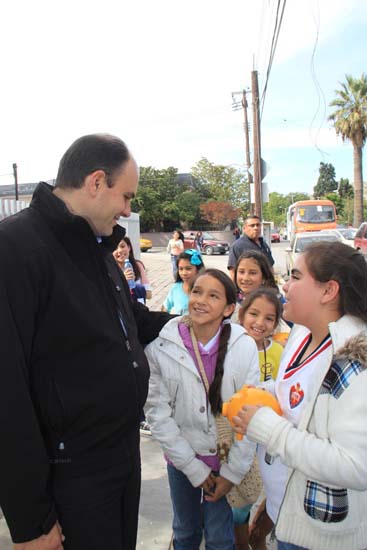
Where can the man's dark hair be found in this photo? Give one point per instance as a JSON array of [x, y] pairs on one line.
[[251, 217], [88, 154]]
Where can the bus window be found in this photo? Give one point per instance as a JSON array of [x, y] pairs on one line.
[[315, 214]]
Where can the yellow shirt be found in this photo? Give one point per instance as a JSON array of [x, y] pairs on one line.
[[269, 361]]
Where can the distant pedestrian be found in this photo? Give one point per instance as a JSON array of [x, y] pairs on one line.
[[250, 240], [189, 263], [174, 248], [199, 241], [236, 233], [196, 364]]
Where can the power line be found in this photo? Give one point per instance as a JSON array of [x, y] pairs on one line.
[[274, 42], [319, 90], [264, 40]]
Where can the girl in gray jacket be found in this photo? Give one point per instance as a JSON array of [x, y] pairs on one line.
[[196, 363]]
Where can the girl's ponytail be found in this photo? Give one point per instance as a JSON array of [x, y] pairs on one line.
[[215, 398]]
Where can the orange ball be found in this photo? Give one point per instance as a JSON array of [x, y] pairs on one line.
[[249, 396], [281, 338]]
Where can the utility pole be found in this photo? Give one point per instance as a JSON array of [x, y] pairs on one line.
[[247, 144], [15, 172], [236, 107], [257, 143]]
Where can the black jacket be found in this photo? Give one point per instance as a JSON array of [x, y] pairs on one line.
[[72, 383]]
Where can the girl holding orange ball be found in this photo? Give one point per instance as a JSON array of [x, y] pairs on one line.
[[321, 387]]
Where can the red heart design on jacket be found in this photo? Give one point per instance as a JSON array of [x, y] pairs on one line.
[[296, 395]]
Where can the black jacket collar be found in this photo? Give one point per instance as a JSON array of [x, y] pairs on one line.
[[69, 228]]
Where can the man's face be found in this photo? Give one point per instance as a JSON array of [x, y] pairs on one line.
[[252, 228], [112, 202]]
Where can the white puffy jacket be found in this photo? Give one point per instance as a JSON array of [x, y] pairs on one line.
[[177, 409]]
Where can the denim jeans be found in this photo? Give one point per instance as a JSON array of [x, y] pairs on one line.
[[289, 546], [192, 515]]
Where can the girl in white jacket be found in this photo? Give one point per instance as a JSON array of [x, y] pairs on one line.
[[321, 387], [186, 390]]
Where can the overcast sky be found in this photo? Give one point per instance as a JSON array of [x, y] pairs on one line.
[[160, 74]]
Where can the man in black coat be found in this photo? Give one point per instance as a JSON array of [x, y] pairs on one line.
[[250, 240], [73, 374]]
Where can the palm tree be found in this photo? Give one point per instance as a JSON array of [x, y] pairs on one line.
[[350, 122]]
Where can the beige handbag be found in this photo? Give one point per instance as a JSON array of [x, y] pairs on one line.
[[248, 491]]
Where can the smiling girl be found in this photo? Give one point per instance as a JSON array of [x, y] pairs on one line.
[[259, 315], [198, 362], [321, 388], [124, 251], [189, 263], [252, 271]]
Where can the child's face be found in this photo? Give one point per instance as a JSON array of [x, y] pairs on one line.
[[249, 275], [186, 271], [259, 319], [208, 302], [303, 295]]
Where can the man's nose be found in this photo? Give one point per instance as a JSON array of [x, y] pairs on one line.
[[126, 210]]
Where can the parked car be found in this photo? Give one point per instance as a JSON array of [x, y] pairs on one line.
[[360, 240], [275, 237], [347, 234], [211, 244], [145, 245], [305, 238]]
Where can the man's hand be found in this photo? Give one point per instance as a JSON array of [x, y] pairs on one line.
[[222, 487], [52, 541]]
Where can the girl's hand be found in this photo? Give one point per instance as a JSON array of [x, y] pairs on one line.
[[208, 485], [222, 487], [243, 419], [129, 274]]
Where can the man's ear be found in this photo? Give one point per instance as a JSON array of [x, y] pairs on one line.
[[94, 182], [331, 291]]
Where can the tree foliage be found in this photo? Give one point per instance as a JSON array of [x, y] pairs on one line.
[[188, 204], [167, 200], [326, 182], [156, 198], [222, 183], [219, 212], [345, 189], [276, 209], [350, 122]]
